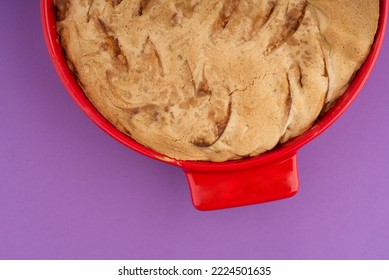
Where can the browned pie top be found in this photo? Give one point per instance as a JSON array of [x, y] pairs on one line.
[[215, 80]]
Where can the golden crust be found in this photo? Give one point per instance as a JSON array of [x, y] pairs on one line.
[[215, 80]]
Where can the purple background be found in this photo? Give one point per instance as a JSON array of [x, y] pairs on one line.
[[69, 191]]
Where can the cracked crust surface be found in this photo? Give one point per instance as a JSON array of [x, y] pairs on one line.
[[215, 80]]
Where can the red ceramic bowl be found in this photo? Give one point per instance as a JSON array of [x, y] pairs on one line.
[[267, 177]]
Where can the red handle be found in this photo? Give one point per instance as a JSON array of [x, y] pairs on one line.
[[218, 190]]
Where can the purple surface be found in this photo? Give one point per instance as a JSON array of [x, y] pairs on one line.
[[69, 191]]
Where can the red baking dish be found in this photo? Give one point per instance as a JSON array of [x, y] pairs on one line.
[[267, 177]]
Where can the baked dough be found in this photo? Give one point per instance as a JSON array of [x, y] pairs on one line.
[[215, 80]]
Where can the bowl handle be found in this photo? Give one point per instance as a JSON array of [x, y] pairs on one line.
[[225, 189]]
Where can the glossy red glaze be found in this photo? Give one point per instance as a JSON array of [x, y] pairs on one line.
[[267, 177], [216, 190]]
